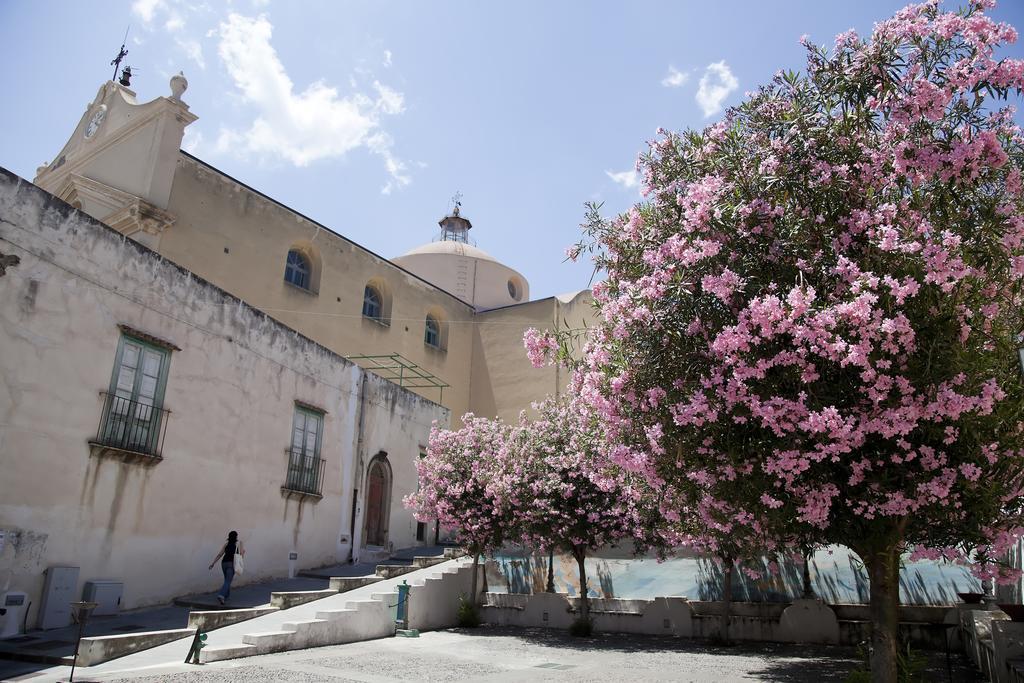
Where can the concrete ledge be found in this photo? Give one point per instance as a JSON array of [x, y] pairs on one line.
[[807, 621], [390, 571], [217, 654], [269, 640], [428, 561], [286, 599], [207, 621], [99, 649], [340, 584]]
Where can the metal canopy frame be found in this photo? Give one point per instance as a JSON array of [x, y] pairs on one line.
[[395, 368]]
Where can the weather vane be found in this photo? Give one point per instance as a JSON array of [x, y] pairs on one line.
[[457, 202], [121, 54]]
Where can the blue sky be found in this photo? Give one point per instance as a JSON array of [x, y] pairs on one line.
[[369, 116]]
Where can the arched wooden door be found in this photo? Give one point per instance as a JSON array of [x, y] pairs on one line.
[[378, 500]]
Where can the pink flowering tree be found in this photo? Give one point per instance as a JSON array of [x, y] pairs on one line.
[[812, 321], [575, 498], [462, 486]]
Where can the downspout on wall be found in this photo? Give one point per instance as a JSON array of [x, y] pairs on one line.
[[353, 554]]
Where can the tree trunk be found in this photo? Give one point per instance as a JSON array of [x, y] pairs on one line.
[[883, 565], [581, 556], [808, 591], [726, 597], [483, 577], [551, 570], [476, 565]]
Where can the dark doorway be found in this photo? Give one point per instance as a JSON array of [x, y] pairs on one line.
[[378, 500]]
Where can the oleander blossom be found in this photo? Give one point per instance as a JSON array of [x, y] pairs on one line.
[[542, 482], [808, 331], [541, 347]]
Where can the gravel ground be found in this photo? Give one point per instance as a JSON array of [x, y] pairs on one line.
[[507, 654]]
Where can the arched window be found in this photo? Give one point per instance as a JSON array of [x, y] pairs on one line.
[[373, 304], [432, 332], [296, 269]]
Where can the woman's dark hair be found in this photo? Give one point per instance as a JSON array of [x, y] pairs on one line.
[[233, 536]]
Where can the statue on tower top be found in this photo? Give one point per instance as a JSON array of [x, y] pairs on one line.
[[121, 54]]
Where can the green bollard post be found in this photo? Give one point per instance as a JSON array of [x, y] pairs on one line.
[[198, 643], [402, 615]]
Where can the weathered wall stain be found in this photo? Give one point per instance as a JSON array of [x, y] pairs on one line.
[[28, 297]]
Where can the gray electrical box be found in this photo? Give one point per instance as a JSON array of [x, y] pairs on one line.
[[106, 595], [58, 594]]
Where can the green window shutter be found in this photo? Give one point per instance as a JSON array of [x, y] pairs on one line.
[[132, 415]]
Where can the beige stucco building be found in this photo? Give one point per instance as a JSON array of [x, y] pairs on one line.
[[147, 412], [181, 355], [447, 308]]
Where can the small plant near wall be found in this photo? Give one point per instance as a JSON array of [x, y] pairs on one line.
[[469, 614]]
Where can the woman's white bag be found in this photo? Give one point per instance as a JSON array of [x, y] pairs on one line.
[[239, 563]]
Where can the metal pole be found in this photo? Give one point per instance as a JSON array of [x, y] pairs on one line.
[[82, 610], [81, 628]]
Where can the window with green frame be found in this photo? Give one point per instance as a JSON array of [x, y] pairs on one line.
[[305, 467], [133, 409]]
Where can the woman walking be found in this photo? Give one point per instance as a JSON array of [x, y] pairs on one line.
[[231, 547]]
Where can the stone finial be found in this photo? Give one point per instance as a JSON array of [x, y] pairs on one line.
[[179, 84]]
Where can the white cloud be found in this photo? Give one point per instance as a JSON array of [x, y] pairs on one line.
[[380, 144], [387, 58], [716, 84], [191, 141], [175, 22], [146, 9], [627, 179], [675, 78], [193, 50], [301, 127], [389, 101]]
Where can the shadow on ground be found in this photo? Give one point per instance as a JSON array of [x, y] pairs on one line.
[[785, 663]]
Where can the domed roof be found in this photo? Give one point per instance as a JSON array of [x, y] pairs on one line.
[[451, 247]]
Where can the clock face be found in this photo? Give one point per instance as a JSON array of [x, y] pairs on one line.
[[96, 121]]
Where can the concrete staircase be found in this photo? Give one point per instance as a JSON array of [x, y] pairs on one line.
[[211, 617], [364, 613]]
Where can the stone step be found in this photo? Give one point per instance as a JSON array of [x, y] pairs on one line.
[[269, 641], [423, 562], [286, 599], [341, 584], [372, 553], [297, 626], [332, 614], [211, 619], [216, 654], [390, 571]]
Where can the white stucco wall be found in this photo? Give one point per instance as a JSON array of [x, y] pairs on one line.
[[232, 388]]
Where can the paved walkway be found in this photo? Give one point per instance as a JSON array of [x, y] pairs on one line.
[[57, 643], [506, 654]]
